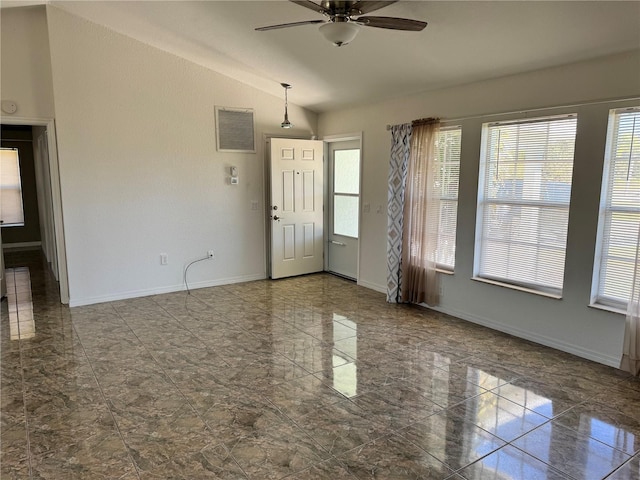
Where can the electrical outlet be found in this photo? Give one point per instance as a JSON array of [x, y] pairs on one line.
[[254, 205], [210, 254], [164, 259]]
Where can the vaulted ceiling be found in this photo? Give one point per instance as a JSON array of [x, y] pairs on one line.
[[465, 41]]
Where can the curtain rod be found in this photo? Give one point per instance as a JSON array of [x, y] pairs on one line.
[[472, 117], [425, 121]]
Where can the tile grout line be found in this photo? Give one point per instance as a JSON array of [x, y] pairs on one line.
[[539, 459], [104, 398], [627, 462]]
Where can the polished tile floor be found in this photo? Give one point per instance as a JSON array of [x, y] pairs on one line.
[[304, 378]]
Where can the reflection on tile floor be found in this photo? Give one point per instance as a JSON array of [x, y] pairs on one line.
[[305, 378]]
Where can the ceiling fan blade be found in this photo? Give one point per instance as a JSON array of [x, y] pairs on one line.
[[391, 23], [287, 25], [362, 7], [312, 6]]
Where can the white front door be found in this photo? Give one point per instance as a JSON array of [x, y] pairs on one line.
[[344, 208], [296, 207]]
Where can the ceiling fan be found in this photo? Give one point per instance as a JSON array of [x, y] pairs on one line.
[[344, 19]]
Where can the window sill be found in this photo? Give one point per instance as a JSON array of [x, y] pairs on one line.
[[443, 271], [518, 288], [607, 308]]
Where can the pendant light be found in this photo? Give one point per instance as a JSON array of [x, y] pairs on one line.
[[286, 123]]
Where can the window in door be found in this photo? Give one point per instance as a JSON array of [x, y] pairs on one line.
[[11, 208], [346, 192]]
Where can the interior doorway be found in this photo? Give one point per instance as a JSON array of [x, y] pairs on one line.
[[343, 214], [49, 201]]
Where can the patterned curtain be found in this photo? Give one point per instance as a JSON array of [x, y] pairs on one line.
[[631, 349], [401, 141]]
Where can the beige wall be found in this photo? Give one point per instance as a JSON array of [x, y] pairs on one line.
[[568, 324], [139, 169], [26, 67]]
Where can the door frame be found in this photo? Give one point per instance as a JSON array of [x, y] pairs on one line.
[[56, 195], [266, 181], [328, 140]]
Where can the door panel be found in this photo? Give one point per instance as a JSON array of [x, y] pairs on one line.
[[308, 193], [309, 240], [288, 191], [296, 207], [344, 208], [288, 242]]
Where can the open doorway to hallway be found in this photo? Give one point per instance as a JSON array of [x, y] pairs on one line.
[[33, 223]]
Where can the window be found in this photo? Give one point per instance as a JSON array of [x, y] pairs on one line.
[[11, 211], [523, 202], [619, 221], [346, 192], [447, 176]]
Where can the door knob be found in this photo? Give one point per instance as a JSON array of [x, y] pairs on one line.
[[276, 217]]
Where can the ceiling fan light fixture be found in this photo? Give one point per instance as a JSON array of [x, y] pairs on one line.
[[339, 33], [286, 123]]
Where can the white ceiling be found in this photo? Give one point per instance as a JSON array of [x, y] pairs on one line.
[[465, 41]]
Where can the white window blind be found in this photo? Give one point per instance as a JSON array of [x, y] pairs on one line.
[[523, 202], [619, 221], [11, 211], [447, 180]]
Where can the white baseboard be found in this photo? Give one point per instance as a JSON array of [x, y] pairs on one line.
[[22, 246], [373, 286], [73, 302], [534, 337]]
